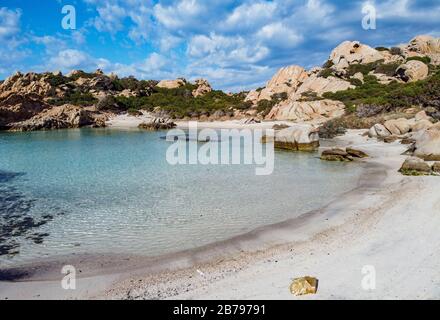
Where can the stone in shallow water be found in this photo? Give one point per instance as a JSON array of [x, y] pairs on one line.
[[335, 154], [436, 167], [415, 167], [303, 286], [356, 153]]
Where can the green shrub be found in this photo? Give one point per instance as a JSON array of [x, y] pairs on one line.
[[56, 80], [310, 96], [264, 106], [392, 96], [325, 73], [75, 98], [387, 68], [382, 49], [81, 74], [363, 68], [425, 60], [396, 51], [107, 103], [328, 64], [356, 82]]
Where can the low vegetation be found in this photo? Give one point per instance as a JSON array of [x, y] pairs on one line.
[[392, 96]]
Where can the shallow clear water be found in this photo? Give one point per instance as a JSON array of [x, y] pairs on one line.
[[110, 191]]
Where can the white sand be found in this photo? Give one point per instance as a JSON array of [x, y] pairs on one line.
[[391, 222], [127, 121]]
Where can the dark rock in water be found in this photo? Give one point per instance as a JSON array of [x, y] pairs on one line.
[[18, 219], [6, 176], [356, 153], [158, 124], [414, 166], [336, 154], [13, 274]]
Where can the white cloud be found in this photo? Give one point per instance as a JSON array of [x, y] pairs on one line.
[[279, 35], [249, 16], [9, 22], [69, 59], [179, 14], [222, 50]]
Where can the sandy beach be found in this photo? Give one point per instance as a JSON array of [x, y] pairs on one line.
[[388, 222]]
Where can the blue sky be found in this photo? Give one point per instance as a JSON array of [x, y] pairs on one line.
[[235, 44]]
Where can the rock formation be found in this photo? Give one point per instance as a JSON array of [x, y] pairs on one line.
[[286, 80], [62, 117], [427, 145], [316, 112], [158, 124], [171, 84], [203, 87], [352, 52], [414, 167], [413, 71], [423, 45], [300, 137]]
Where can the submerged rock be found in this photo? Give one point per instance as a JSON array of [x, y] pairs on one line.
[[303, 286]]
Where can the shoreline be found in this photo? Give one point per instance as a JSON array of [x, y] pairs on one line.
[[196, 273]]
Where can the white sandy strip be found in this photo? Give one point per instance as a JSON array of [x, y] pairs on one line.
[[394, 227], [127, 121]]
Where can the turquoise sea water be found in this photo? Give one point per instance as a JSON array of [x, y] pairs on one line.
[[110, 191]]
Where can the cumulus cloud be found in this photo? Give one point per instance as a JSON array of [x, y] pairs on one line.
[[233, 43], [9, 22]]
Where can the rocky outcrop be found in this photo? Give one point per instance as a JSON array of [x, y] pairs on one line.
[[203, 87], [286, 80], [414, 167], [320, 85], [20, 107], [304, 286], [30, 83], [317, 111], [423, 45], [158, 124], [62, 117], [398, 127], [427, 145], [353, 52], [300, 137], [413, 71], [378, 131], [171, 84], [395, 128]]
